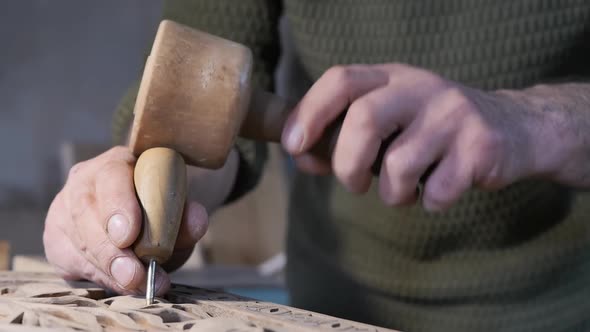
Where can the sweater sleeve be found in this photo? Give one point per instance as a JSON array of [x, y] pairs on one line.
[[253, 23]]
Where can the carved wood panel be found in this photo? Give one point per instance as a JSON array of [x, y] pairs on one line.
[[43, 301]]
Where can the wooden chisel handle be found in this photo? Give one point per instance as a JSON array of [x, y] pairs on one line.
[[161, 185]]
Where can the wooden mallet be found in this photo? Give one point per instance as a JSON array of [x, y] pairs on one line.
[[194, 98]]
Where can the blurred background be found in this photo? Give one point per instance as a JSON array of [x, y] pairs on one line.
[[64, 65]]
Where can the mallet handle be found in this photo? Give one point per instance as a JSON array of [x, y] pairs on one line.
[[266, 117]]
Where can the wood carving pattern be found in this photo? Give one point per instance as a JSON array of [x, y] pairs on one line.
[[45, 302]]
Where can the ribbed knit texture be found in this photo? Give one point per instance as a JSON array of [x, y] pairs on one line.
[[513, 260]]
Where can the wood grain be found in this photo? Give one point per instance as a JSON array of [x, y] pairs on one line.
[[43, 301]]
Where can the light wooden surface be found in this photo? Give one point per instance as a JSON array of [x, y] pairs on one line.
[[25, 263], [44, 301], [4, 255]]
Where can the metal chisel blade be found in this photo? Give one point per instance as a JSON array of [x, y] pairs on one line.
[[151, 282]]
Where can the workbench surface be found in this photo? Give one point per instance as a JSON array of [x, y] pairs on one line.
[[41, 301]]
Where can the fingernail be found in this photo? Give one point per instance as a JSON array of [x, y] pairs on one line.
[[123, 270], [118, 228], [294, 138]]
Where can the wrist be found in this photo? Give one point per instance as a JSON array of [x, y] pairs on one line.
[[550, 136]]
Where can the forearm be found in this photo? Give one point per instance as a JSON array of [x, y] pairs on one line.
[[562, 140]]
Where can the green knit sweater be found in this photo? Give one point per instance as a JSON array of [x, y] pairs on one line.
[[513, 260]]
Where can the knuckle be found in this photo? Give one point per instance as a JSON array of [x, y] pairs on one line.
[[119, 149], [488, 148], [85, 200], [446, 186], [459, 104], [337, 72], [114, 188], [115, 177], [401, 167], [76, 196], [408, 168], [396, 67], [113, 168], [402, 181], [395, 195], [102, 252], [340, 74], [361, 115], [399, 72], [438, 191], [119, 152], [347, 171], [391, 162], [490, 142], [76, 170]]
